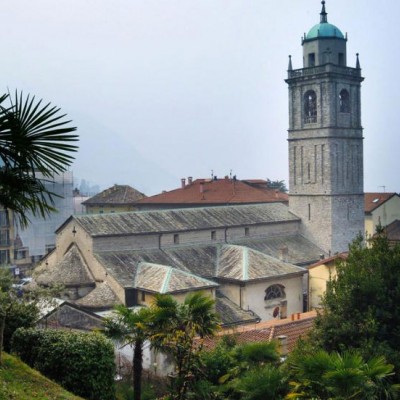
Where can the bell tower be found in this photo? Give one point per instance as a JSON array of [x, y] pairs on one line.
[[326, 140]]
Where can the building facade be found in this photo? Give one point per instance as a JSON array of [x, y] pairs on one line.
[[326, 140]]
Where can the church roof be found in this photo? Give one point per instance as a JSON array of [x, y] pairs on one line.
[[101, 297], [160, 221], [70, 271], [117, 195], [217, 191]]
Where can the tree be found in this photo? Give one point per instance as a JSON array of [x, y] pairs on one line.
[[324, 375], [179, 330], [6, 301], [361, 307], [277, 184], [132, 328], [35, 144]]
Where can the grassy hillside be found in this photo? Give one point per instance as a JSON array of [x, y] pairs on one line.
[[19, 382]]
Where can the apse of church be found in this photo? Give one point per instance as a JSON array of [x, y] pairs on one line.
[[326, 139]]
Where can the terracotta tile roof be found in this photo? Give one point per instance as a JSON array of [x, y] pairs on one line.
[[340, 256], [393, 231], [117, 194], [293, 328], [375, 199], [220, 191]]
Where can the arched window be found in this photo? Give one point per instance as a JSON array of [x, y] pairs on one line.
[[310, 107], [275, 292], [344, 101]]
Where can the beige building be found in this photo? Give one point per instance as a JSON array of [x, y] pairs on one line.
[[117, 198], [319, 274], [380, 209]]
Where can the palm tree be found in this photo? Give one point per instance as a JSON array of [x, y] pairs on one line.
[[341, 376], [132, 328], [35, 144], [179, 330]]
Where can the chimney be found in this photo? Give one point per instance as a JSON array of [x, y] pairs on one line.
[[283, 348], [183, 180], [283, 253], [190, 180]]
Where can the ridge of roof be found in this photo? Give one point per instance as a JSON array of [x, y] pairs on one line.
[[117, 194]]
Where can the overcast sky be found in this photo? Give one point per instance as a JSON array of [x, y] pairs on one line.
[[165, 89]]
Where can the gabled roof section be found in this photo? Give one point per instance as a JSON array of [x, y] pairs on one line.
[[101, 297], [217, 191], [330, 260], [165, 279], [117, 195], [70, 271], [375, 199], [231, 314], [186, 219], [243, 264]]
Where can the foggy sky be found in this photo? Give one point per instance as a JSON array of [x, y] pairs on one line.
[[165, 89]]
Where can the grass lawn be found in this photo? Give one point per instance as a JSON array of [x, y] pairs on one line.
[[19, 382]]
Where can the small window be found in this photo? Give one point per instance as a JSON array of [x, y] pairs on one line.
[[213, 235], [311, 60], [344, 101], [275, 292], [143, 296], [341, 59], [309, 212], [176, 239], [101, 211], [310, 107], [246, 231]]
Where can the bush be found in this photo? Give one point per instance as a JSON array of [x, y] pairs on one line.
[[82, 363]]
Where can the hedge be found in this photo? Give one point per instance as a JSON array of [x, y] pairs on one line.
[[82, 363]]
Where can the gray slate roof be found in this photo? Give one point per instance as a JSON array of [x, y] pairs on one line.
[[142, 222], [70, 271], [117, 195]]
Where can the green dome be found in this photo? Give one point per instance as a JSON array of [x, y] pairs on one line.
[[324, 29]]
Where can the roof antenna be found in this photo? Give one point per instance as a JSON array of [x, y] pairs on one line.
[[383, 187], [212, 174], [324, 15]]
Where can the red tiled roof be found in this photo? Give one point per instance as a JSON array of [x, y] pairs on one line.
[[375, 199], [218, 191], [298, 325], [341, 256]]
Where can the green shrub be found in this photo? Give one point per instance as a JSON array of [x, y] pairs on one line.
[[82, 363]]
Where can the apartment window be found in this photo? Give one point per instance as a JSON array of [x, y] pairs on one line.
[[176, 239], [4, 218], [143, 296], [4, 257], [341, 59], [213, 235], [246, 231]]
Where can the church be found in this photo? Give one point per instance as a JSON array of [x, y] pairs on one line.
[[251, 258]]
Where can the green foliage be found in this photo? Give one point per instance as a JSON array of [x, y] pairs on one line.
[[19, 382], [178, 331], [131, 327], [361, 308], [81, 362], [266, 382], [20, 315], [324, 375], [33, 138], [279, 185], [256, 353]]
